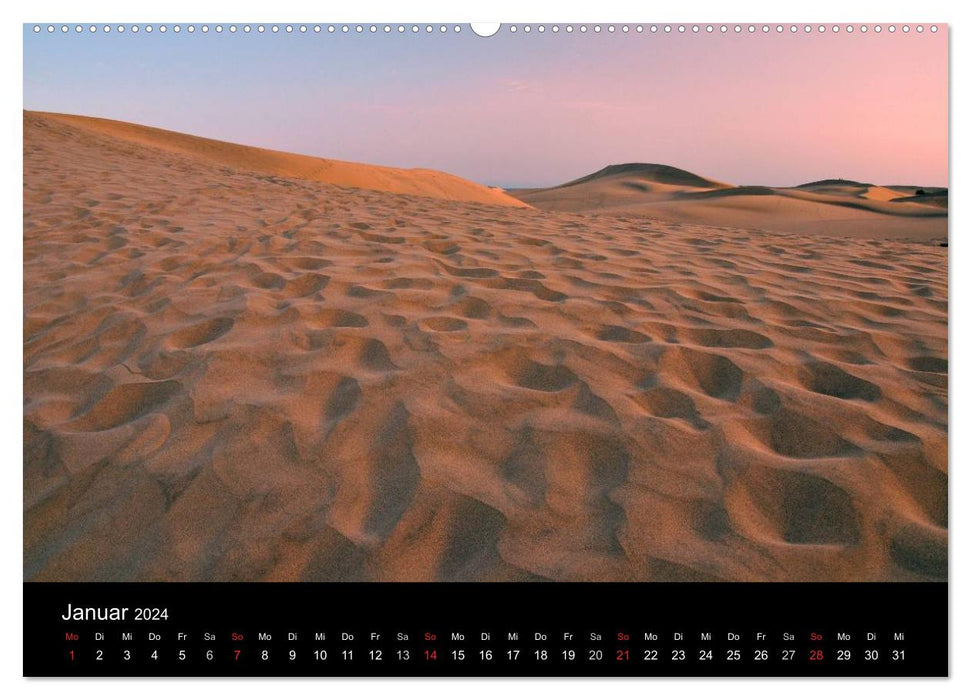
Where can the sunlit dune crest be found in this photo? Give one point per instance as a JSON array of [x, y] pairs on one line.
[[422, 182]]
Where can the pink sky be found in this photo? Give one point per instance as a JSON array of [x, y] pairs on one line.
[[517, 109]]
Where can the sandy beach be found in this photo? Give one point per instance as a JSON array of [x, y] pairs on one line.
[[247, 365]]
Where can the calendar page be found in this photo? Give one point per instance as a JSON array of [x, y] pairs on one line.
[[612, 349]]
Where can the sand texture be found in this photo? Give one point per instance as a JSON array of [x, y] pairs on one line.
[[839, 208], [241, 375]]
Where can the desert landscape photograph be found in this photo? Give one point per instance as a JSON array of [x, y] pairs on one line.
[[429, 306]]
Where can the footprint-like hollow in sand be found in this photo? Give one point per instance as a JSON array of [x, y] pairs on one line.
[[306, 284], [921, 549], [803, 508], [472, 307], [539, 377], [373, 355], [928, 363], [620, 334], [343, 400], [793, 434], [201, 333], [665, 402], [825, 378], [715, 375], [269, 280], [443, 247], [339, 318], [125, 403], [444, 324], [728, 338]]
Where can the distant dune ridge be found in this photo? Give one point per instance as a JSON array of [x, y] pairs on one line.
[[233, 373], [649, 172], [833, 207]]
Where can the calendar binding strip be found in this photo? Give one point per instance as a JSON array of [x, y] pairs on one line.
[[567, 28]]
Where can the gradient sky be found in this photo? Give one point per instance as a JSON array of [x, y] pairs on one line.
[[529, 109]]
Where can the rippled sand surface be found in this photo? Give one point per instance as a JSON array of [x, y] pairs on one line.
[[234, 375]]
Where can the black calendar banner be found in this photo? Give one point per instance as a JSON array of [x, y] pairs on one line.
[[477, 629]]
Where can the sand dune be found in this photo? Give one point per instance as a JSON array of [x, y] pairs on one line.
[[651, 174], [422, 182], [236, 376], [826, 207], [624, 187], [855, 190]]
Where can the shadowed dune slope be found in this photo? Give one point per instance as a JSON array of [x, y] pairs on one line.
[[236, 376], [422, 182]]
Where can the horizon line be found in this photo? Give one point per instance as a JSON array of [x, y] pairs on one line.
[[505, 187]]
